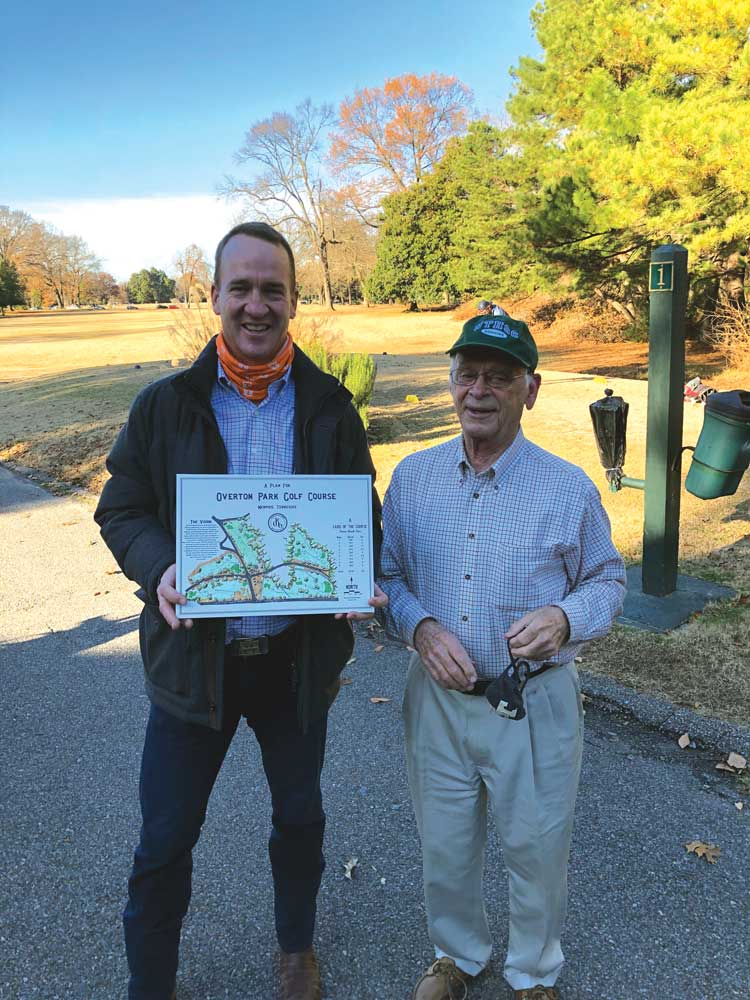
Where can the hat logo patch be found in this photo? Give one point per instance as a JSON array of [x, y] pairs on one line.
[[498, 328]]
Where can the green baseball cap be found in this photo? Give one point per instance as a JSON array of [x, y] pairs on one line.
[[500, 333]]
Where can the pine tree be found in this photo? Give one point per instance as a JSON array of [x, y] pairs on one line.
[[633, 130], [415, 247], [12, 292]]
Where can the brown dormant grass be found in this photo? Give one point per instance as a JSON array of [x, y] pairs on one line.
[[67, 379]]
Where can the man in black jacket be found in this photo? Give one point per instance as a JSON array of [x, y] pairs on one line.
[[252, 403]]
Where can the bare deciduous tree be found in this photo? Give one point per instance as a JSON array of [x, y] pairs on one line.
[[193, 273], [353, 254], [290, 192], [15, 228], [61, 262]]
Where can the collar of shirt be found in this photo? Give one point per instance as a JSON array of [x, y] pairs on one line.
[[501, 463], [275, 387]]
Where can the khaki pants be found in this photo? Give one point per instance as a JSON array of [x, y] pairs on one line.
[[459, 755]]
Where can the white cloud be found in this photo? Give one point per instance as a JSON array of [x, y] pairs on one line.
[[130, 233]]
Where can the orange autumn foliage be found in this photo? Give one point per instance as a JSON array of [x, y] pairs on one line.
[[400, 130]]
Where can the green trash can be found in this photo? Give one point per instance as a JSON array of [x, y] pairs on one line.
[[723, 450]]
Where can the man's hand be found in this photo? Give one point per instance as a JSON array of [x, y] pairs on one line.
[[169, 597], [446, 659], [378, 601], [539, 634]]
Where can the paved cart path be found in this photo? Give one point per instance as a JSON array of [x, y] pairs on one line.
[[647, 919]]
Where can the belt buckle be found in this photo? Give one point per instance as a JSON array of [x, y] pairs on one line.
[[256, 646]]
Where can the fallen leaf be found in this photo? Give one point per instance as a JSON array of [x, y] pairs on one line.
[[379, 701], [710, 852], [67, 524], [96, 593], [353, 660], [410, 649], [739, 805], [737, 761], [743, 599], [585, 698], [379, 649], [345, 680], [114, 572], [411, 398], [721, 766], [579, 659], [684, 740], [349, 867]]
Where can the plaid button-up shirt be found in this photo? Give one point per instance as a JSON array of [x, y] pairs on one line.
[[477, 552], [259, 438]]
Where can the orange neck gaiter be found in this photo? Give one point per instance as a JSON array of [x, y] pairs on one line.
[[252, 381]]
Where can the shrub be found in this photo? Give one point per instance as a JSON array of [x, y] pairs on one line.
[[193, 328], [729, 333], [313, 332], [357, 372], [549, 311], [319, 340], [598, 322]]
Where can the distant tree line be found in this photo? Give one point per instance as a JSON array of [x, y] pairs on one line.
[[41, 267]]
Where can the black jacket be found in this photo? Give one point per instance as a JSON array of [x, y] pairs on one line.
[[171, 428]]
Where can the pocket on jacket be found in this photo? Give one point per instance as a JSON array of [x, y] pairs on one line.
[[165, 653]]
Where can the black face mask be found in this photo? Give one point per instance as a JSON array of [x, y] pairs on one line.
[[505, 693]]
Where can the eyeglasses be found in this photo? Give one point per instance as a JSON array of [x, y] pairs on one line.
[[465, 376]]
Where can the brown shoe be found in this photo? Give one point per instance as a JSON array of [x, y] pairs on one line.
[[442, 981], [537, 993], [299, 975]]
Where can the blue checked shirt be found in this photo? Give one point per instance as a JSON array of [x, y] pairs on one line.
[[259, 438], [477, 552]]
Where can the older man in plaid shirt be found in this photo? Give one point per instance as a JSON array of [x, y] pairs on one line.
[[495, 551]]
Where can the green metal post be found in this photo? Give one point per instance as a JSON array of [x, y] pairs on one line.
[[666, 381]]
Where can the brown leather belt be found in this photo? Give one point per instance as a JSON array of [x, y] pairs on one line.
[[263, 645]]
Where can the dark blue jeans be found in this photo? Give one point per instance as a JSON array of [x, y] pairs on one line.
[[179, 767]]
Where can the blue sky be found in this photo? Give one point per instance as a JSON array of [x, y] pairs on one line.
[[125, 120]]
